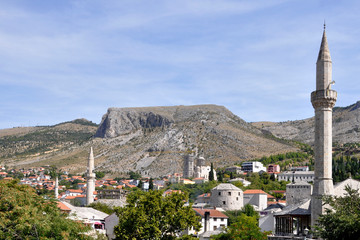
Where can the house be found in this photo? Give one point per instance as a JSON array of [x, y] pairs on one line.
[[273, 168], [243, 181], [211, 219], [234, 169], [253, 167], [257, 198]]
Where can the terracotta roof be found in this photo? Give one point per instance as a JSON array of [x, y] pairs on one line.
[[75, 190], [205, 195], [213, 213], [63, 207], [254, 191], [70, 197], [270, 196]]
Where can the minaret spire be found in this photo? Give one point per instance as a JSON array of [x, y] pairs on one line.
[[323, 100], [90, 188]]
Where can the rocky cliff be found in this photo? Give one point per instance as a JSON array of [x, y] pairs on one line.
[[346, 126], [154, 140]]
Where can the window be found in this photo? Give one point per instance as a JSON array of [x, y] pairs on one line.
[[215, 227], [222, 219], [237, 199], [219, 193], [229, 193], [224, 202], [215, 219], [239, 193]]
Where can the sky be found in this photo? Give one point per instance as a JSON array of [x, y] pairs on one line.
[[69, 59]]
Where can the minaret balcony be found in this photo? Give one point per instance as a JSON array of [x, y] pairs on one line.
[[323, 98]]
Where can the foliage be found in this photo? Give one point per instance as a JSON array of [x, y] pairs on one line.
[[25, 215], [342, 219], [211, 174], [264, 182], [234, 215], [102, 207], [151, 184], [99, 175], [140, 184], [150, 215], [195, 190], [244, 228], [134, 175], [343, 167]]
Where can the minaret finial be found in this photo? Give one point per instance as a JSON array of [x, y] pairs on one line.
[[324, 25]]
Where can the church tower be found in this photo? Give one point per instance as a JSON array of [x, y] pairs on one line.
[[90, 188], [323, 101]]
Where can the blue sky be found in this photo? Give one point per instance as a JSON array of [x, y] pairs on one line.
[[62, 60]]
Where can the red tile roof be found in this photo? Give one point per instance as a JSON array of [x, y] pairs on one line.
[[213, 213], [254, 191], [63, 207]]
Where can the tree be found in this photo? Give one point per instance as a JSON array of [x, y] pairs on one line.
[[151, 184], [246, 228], [25, 215], [99, 175], [134, 175], [140, 184], [150, 215], [342, 219], [211, 174]]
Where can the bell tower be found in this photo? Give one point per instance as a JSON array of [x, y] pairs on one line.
[[323, 101]]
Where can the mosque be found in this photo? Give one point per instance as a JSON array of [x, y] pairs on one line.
[[304, 202]]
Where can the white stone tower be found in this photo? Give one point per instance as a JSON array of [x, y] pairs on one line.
[[323, 100], [90, 188], [56, 187]]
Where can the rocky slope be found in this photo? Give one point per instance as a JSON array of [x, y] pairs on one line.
[[346, 126], [150, 140], [154, 140]]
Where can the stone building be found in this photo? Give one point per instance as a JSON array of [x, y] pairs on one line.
[[197, 170], [227, 197], [298, 192]]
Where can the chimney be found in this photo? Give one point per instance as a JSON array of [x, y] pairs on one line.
[[207, 224]]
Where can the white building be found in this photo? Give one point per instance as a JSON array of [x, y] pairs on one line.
[[211, 220], [297, 176], [252, 167], [257, 198]]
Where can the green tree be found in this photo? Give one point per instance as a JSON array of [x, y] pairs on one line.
[[246, 228], [99, 175], [25, 215], [150, 215], [134, 175], [151, 184], [102, 207], [140, 184], [211, 174], [342, 219]]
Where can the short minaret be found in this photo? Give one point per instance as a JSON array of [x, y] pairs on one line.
[[90, 188], [323, 100], [56, 187]]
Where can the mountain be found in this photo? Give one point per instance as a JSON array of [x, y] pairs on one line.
[[151, 140], [346, 126]]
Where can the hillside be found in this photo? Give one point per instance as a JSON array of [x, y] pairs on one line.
[[150, 140], [346, 126]]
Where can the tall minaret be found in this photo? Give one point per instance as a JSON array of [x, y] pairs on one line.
[[90, 188], [323, 100], [56, 187]]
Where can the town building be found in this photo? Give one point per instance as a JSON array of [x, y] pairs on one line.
[[253, 167], [227, 197], [297, 176]]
